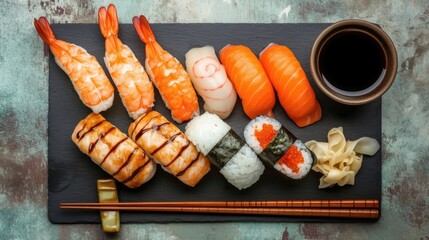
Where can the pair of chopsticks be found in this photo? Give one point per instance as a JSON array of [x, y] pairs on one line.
[[298, 208]]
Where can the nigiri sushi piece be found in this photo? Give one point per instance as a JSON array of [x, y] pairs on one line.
[[225, 150], [278, 147], [129, 76], [249, 79], [86, 74], [168, 75], [210, 81], [293, 88], [169, 147], [113, 151]]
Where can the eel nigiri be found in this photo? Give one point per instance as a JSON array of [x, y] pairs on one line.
[[113, 151], [169, 147], [210, 81], [293, 88], [249, 79]]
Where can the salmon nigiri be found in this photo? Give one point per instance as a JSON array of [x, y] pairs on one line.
[[250, 80], [293, 88]]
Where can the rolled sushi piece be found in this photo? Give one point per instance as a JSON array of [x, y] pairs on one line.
[[225, 149], [278, 147]]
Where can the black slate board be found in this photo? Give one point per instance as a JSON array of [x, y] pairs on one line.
[[72, 175]]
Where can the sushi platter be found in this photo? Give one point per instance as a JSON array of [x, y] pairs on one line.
[[72, 177]]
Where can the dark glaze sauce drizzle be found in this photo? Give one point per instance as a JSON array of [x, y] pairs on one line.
[[137, 171], [171, 139], [113, 149], [154, 128], [184, 147], [126, 162], [100, 137], [135, 125], [138, 123], [189, 166], [83, 127], [78, 136]]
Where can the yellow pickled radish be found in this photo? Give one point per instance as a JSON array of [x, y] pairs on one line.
[[107, 193]]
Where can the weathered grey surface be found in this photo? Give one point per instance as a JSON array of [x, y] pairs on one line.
[[24, 107]]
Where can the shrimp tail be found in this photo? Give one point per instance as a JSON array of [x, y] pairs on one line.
[[143, 29], [44, 30], [108, 21]]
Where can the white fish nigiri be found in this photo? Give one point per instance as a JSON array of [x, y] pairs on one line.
[[210, 80]]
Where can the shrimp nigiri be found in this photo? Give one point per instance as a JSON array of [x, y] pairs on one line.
[[210, 81], [249, 79], [129, 76], [288, 78], [168, 75], [86, 74]]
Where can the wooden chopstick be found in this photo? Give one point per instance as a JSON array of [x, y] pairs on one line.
[[364, 203], [303, 212], [311, 208]]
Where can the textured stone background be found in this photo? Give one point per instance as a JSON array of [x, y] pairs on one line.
[[24, 109]]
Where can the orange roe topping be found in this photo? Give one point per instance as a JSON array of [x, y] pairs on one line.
[[265, 135], [292, 158]]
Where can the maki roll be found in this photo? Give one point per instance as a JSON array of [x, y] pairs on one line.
[[276, 146], [225, 150]]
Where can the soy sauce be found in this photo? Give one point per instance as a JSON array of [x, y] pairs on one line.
[[352, 63]]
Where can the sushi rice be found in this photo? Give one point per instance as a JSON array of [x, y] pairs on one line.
[[243, 169], [256, 124], [206, 130], [304, 167]]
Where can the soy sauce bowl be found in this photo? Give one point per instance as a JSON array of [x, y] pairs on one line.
[[351, 96]]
